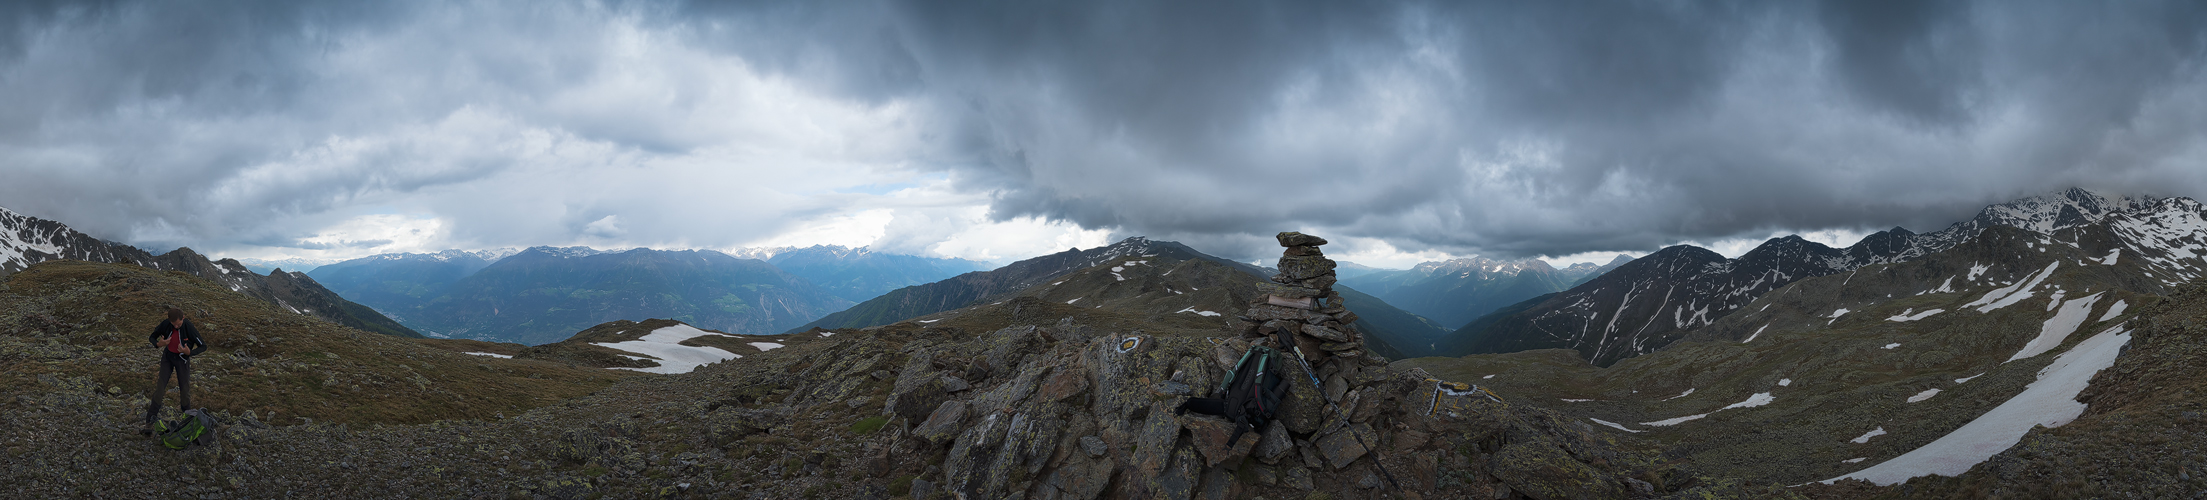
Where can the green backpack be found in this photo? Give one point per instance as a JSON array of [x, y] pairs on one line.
[[195, 427]]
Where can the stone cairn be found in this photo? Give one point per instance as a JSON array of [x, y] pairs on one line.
[[1301, 301]]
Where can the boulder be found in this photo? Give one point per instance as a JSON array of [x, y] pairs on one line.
[[1303, 268], [1274, 443], [1287, 291], [1093, 445], [1295, 239], [942, 425], [1211, 438], [1345, 446], [1303, 410], [1334, 336], [1065, 383], [1267, 312], [1154, 440], [918, 390], [1080, 478], [1298, 479]]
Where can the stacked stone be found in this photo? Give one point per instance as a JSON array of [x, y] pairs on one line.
[[1301, 301]]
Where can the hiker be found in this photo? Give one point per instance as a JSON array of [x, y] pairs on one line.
[[179, 341]]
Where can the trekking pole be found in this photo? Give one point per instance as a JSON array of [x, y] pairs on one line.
[[1289, 342]]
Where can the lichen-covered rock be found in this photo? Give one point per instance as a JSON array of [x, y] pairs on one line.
[[1216, 440], [1287, 291], [1296, 239], [1065, 383], [1334, 337], [1304, 409], [1345, 446], [1080, 478], [918, 390], [1274, 442], [1305, 267], [943, 424]]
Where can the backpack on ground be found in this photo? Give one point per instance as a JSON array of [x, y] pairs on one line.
[[195, 428], [1250, 395]]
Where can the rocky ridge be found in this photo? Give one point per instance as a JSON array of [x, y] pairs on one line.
[[1647, 304], [25, 241]]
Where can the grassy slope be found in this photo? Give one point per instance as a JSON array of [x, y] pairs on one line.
[[69, 319]]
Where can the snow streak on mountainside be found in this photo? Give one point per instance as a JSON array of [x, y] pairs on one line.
[[1646, 304]]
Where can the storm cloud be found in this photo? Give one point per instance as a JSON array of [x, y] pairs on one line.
[[1500, 128]]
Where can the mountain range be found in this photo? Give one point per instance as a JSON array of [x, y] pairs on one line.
[[1644, 305], [26, 240], [1155, 278], [1990, 360], [1454, 292], [541, 294], [859, 274]]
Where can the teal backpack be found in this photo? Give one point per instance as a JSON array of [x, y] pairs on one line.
[[195, 428]]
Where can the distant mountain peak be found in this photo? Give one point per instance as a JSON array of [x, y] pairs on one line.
[[2060, 209]]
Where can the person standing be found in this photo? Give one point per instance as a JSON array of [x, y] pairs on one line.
[[179, 340]]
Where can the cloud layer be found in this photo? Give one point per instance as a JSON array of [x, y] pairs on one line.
[[1503, 128]]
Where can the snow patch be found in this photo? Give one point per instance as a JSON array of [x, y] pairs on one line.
[[2058, 328], [1865, 437], [666, 344], [1759, 399], [1568, 400], [1904, 316], [1191, 309], [766, 346], [1675, 421], [1075, 299], [2049, 401], [494, 355], [1783, 382], [2109, 260], [1488, 377], [925, 321], [1758, 332], [2009, 295], [1965, 380], [2113, 311], [1854, 460], [1926, 394], [1680, 395], [1890, 346], [1612, 424], [1944, 287], [1836, 314]]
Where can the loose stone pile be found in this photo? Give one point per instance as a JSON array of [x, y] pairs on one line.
[[1301, 301]]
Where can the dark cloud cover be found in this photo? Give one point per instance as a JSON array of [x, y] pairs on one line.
[[1507, 128]]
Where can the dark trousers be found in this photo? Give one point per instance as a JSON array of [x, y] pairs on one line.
[[182, 367]]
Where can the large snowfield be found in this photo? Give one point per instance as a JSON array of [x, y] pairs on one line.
[[666, 344], [2049, 401]]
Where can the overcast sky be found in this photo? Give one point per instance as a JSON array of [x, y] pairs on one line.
[[1404, 131]]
